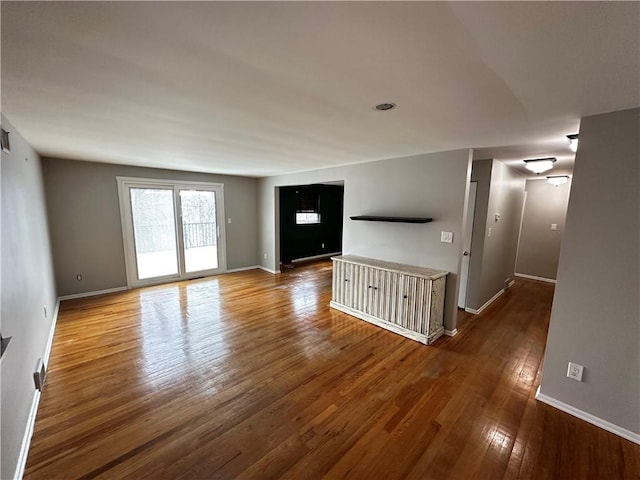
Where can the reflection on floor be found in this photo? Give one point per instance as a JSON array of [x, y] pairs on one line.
[[252, 375]]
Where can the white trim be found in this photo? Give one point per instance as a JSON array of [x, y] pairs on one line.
[[52, 331], [91, 294], [524, 203], [242, 269], [587, 417], [489, 302], [533, 277], [33, 412], [163, 181], [26, 439], [451, 333], [275, 272], [315, 257]]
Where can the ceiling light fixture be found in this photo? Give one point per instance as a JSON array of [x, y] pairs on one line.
[[573, 142], [383, 107], [539, 165], [557, 179]]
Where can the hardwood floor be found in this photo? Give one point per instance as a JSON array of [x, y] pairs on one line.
[[252, 376]]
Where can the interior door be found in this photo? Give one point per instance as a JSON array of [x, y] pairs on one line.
[[466, 245]]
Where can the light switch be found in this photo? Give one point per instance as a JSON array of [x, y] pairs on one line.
[[446, 237], [554, 226], [489, 232]]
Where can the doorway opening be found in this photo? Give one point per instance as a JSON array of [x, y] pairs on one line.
[[310, 222]]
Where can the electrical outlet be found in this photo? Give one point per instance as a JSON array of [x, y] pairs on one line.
[[575, 371], [446, 237], [265, 256], [554, 226], [322, 244], [489, 232]]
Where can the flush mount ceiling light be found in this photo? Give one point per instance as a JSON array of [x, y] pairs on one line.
[[383, 107], [557, 179], [573, 141], [539, 165]]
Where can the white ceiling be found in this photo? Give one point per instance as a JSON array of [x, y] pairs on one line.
[[266, 88]]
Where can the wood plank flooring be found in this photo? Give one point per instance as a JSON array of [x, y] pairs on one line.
[[252, 376]]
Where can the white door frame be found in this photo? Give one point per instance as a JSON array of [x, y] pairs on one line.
[[124, 183]]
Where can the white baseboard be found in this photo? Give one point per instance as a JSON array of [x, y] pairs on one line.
[[451, 333], [489, 302], [31, 420], [243, 269], [533, 277], [315, 257], [26, 439], [587, 417], [94, 293], [268, 270]]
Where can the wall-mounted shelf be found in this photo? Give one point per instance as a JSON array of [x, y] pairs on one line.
[[378, 218]]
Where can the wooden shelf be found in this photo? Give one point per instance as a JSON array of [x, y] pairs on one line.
[[377, 218]]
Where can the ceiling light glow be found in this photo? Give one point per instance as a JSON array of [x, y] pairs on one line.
[[539, 165], [557, 180]]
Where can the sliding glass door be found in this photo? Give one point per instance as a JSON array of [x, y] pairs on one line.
[[199, 230], [171, 230], [154, 226]]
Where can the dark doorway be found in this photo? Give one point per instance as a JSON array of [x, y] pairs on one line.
[[310, 221]]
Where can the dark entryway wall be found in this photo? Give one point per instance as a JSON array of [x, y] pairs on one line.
[[308, 240]]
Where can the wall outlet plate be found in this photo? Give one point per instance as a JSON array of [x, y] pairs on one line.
[[446, 237], [574, 371]]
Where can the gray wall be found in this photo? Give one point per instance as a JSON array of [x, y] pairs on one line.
[[86, 232], [498, 251], [539, 246], [433, 185], [595, 315], [27, 287]]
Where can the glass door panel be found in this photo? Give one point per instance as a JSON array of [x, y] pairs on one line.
[[154, 230], [199, 230]]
